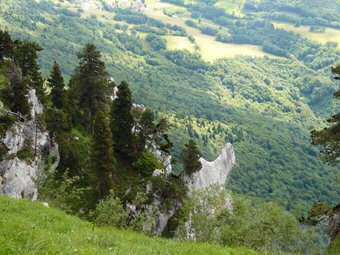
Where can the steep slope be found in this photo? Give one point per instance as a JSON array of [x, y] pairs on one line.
[[30, 228], [265, 107]]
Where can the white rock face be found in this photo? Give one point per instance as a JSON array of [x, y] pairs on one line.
[[212, 175], [13, 140], [163, 158], [17, 180], [211, 178], [37, 107], [17, 176], [215, 172]]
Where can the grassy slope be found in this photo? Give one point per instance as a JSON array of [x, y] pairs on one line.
[[33, 229]]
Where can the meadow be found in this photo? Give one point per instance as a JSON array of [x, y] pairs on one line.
[[330, 35], [32, 228]]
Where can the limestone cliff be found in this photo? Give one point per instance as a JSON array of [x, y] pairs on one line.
[[18, 173], [212, 173]]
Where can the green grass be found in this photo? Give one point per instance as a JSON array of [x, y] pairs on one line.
[[209, 48], [330, 35], [212, 50], [31, 228], [231, 6], [179, 43]]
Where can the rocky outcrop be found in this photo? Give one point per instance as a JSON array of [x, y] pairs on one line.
[[215, 172], [211, 178], [163, 158], [17, 174]]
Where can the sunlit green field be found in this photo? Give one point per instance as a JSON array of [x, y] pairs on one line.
[[206, 45], [179, 43], [30, 228], [212, 50], [231, 6], [330, 35], [209, 48]]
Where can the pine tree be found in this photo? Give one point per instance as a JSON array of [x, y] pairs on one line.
[[190, 157], [6, 45], [147, 129], [103, 160], [89, 85], [26, 57], [58, 123], [122, 122], [18, 92], [58, 93]]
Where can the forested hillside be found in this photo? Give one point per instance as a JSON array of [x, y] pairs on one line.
[[266, 106]]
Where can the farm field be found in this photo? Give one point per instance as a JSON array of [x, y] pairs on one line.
[[209, 48], [179, 43], [330, 35], [231, 6], [212, 50]]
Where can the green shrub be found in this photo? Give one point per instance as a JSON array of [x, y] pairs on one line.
[[63, 192], [147, 163], [261, 226], [110, 212], [26, 154]]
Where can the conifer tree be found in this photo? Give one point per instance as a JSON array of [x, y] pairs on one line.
[[18, 92], [56, 81], [147, 129], [58, 123], [6, 45], [122, 122], [190, 157], [26, 57], [89, 85], [103, 160]]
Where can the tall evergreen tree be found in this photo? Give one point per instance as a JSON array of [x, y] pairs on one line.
[[58, 92], [122, 122], [6, 45], [18, 92], [329, 137], [89, 85], [146, 130], [190, 157], [103, 160], [26, 57]]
